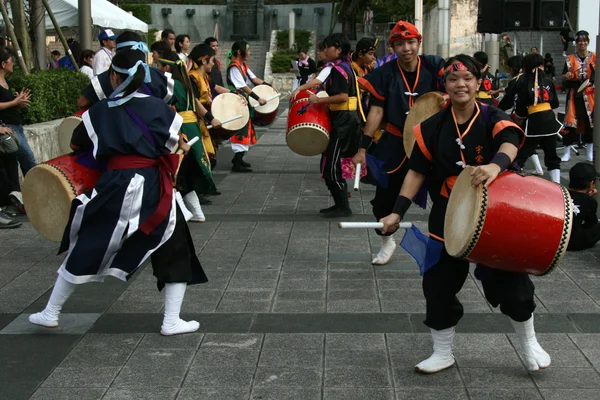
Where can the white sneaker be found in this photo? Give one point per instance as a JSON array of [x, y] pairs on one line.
[[590, 152], [442, 356]]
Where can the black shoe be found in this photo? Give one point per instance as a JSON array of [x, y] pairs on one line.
[[213, 193], [7, 222], [16, 200], [204, 202], [245, 164], [340, 212], [328, 209], [237, 163], [240, 168]]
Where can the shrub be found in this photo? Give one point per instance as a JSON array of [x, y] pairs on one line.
[[188, 2], [54, 93], [281, 61], [142, 12], [301, 36]]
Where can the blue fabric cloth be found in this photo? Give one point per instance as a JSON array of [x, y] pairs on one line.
[[25, 155], [65, 62], [425, 250], [375, 167]]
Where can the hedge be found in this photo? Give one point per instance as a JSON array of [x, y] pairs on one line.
[[282, 58], [140, 11], [54, 93], [301, 36], [281, 2]]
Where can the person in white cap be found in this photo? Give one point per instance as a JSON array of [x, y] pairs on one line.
[[104, 56]]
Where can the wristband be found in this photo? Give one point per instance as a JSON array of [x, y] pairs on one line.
[[254, 96], [502, 160], [209, 117], [366, 141], [401, 206]]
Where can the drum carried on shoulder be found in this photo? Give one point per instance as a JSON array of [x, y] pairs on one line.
[[265, 115], [425, 107], [228, 106], [65, 131], [308, 125]]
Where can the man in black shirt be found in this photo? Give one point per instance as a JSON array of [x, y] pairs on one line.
[[565, 38], [215, 74], [582, 187]]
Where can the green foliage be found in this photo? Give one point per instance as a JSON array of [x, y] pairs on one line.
[[187, 2], [276, 2], [140, 11], [54, 93], [395, 10], [281, 61], [301, 36], [151, 36]]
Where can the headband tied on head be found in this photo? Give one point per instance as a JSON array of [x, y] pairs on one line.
[[141, 46], [582, 35], [130, 74], [365, 45], [456, 66], [403, 31]]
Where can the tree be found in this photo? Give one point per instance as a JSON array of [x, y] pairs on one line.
[[21, 31], [347, 17]]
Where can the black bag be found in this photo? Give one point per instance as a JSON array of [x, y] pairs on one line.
[[9, 144]]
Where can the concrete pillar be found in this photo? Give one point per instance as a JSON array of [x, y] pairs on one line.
[[85, 23], [419, 19], [541, 50], [492, 48], [292, 27], [39, 22], [443, 47]]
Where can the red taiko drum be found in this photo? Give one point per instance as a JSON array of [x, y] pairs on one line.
[[48, 190], [308, 126], [520, 223]]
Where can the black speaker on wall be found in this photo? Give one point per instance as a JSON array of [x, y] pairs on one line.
[[550, 14], [517, 14], [489, 16]]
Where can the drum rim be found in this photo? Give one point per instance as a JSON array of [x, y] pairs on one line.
[[259, 109], [409, 139], [566, 234], [305, 124], [319, 129], [245, 112], [61, 132]]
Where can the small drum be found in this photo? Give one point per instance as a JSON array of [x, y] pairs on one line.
[[520, 223], [265, 115], [425, 107], [48, 190], [224, 107], [308, 126], [65, 133]]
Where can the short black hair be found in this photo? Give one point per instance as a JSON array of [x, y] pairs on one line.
[[159, 47], [166, 32], [340, 41], [481, 57], [210, 39], [179, 41], [241, 46], [581, 175], [55, 53], [85, 54], [469, 62], [200, 51]]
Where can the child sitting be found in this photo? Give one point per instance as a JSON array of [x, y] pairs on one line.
[[582, 186]]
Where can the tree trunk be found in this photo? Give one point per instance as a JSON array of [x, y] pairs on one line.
[[347, 17], [18, 13]]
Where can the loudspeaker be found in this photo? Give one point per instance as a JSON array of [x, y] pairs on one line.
[[518, 15], [489, 17], [550, 14]]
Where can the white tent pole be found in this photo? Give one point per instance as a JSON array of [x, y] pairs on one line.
[[61, 36]]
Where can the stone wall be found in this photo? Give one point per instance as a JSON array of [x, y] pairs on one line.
[[463, 28], [43, 139]]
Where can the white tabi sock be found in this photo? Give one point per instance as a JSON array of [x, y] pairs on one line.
[[193, 202], [442, 356], [388, 247], [48, 317], [555, 175], [590, 152], [536, 163], [567, 156], [172, 324], [187, 215], [534, 356]]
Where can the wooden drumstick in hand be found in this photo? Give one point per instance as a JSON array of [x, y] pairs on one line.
[[357, 177], [370, 225]]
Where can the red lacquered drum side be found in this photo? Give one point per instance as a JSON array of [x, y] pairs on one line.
[[308, 128]]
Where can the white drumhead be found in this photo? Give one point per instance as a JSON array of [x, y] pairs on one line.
[[462, 214], [65, 133], [307, 139], [265, 92], [228, 105]]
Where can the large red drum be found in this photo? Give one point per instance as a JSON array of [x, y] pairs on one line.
[[520, 223], [48, 190], [308, 126]]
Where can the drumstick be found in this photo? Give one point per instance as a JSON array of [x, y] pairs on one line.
[[357, 176], [189, 143], [226, 121], [370, 225], [270, 99]]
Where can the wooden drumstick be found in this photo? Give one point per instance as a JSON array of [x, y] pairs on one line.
[[370, 225], [226, 121], [357, 176], [269, 99], [180, 154]]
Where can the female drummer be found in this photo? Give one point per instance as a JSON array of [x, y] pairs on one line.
[[239, 76], [465, 133], [131, 213], [362, 58], [345, 129]]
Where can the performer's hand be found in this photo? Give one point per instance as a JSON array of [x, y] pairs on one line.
[[592, 192], [568, 75], [244, 101], [390, 223], [484, 173], [359, 158], [184, 147], [313, 99], [294, 94], [216, 123], [262, 101]]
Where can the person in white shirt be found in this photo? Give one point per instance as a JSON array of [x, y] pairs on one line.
[[87, 61], [182, 47], [103, 57]]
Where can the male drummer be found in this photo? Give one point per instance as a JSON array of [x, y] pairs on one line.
[[394, 88]]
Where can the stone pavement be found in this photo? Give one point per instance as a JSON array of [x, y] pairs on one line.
[[293, 310]]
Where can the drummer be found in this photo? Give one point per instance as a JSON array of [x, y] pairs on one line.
[[239, 76], [362, 58], [394, 87], [465, 133]]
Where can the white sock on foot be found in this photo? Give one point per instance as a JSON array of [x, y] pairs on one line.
[[534, 356], [388, 246], [442, 356], [193, 202], [555, 175], [536, 163], [48, 317], [567, 156], [172, 324], [590, 152], [187, 215]]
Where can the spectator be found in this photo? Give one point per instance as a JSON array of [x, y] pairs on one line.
[[582, 188], [566, 38], [103, 57], [215, 73], [533, 50], [368, 21], [9, 110], [158, 49], [391, 55], [168, 36], [86, 63], [182, 47], [305, 68], [65, 62], [53, 59], [9, 186], [549, 66]]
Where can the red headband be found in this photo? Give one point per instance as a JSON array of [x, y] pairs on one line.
[[456, 66], [404, 30]]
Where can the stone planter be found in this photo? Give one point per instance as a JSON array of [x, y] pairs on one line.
[[43, 139]]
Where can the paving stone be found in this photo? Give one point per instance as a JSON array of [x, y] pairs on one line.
[[292, 377], [294, 341], [243, 306], [81, 377], [154, 368], [585, 340], [299, 306], [353, 306], [504, 394], [408, 377], [227, 377], [515, 377], [102, 350], [300, 295], [579, 394], [330, 322], [233, 341], [140, 394], [356, 358], [567, 378], [70, 393], [486, 358], [291, 358], [358, 394], [213, 393], [356, 341], [586, 323], [158, 341], [220, 357], [287, 393], [426, 393], [69, 324]]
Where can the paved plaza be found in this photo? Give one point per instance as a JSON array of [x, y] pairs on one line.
[[293, 310]]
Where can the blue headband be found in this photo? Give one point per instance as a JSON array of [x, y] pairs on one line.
[[130, 74], [141, 46]]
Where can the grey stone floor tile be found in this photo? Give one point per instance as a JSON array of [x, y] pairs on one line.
[[291, 358], [300, 295], [248, 295], [486, 358], [221, 357], [567, 378], [579, 394], [299, 306], [426, 393], [351, 284], [365, 293], [482, 341], [102, 350], [157, 341], [408, 377], [284, 376], [70, 393], [291, 274], [358, 394], [353, 306], [515, 377], [355, 376], [69, 324], [154, 368], [81, 377], [586, 340], [586, 323], [213, 393], [233, 340], [294, 341], [355, 341], [356, 358], [140, 394], [244, 306], [410, 305], [593, 355], [504, 394], [226, 377], [286, 393]]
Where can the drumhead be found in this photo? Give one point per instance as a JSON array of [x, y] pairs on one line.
[[464, 215], [65, 133], [426, 106], [307, 139], [265, 92], [47, 196], [228, 105]]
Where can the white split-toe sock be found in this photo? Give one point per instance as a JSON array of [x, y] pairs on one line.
[[48, 317], [388, 247], [191, 199], [442, 356], [567, 156], [187, 214], [536, 163], [534, 356], [590, 152], [172, 324], [555, 175]]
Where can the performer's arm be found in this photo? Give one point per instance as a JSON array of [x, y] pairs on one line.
[[336, 99], [488, 173], [412, 183], [221, 89], [373, 123], [202, 112]]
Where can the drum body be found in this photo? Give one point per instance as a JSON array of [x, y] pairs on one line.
[[48, 190], [226, 106], [519, 223], [425, 107], [308, 126], [65, 133], [264, 115]]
